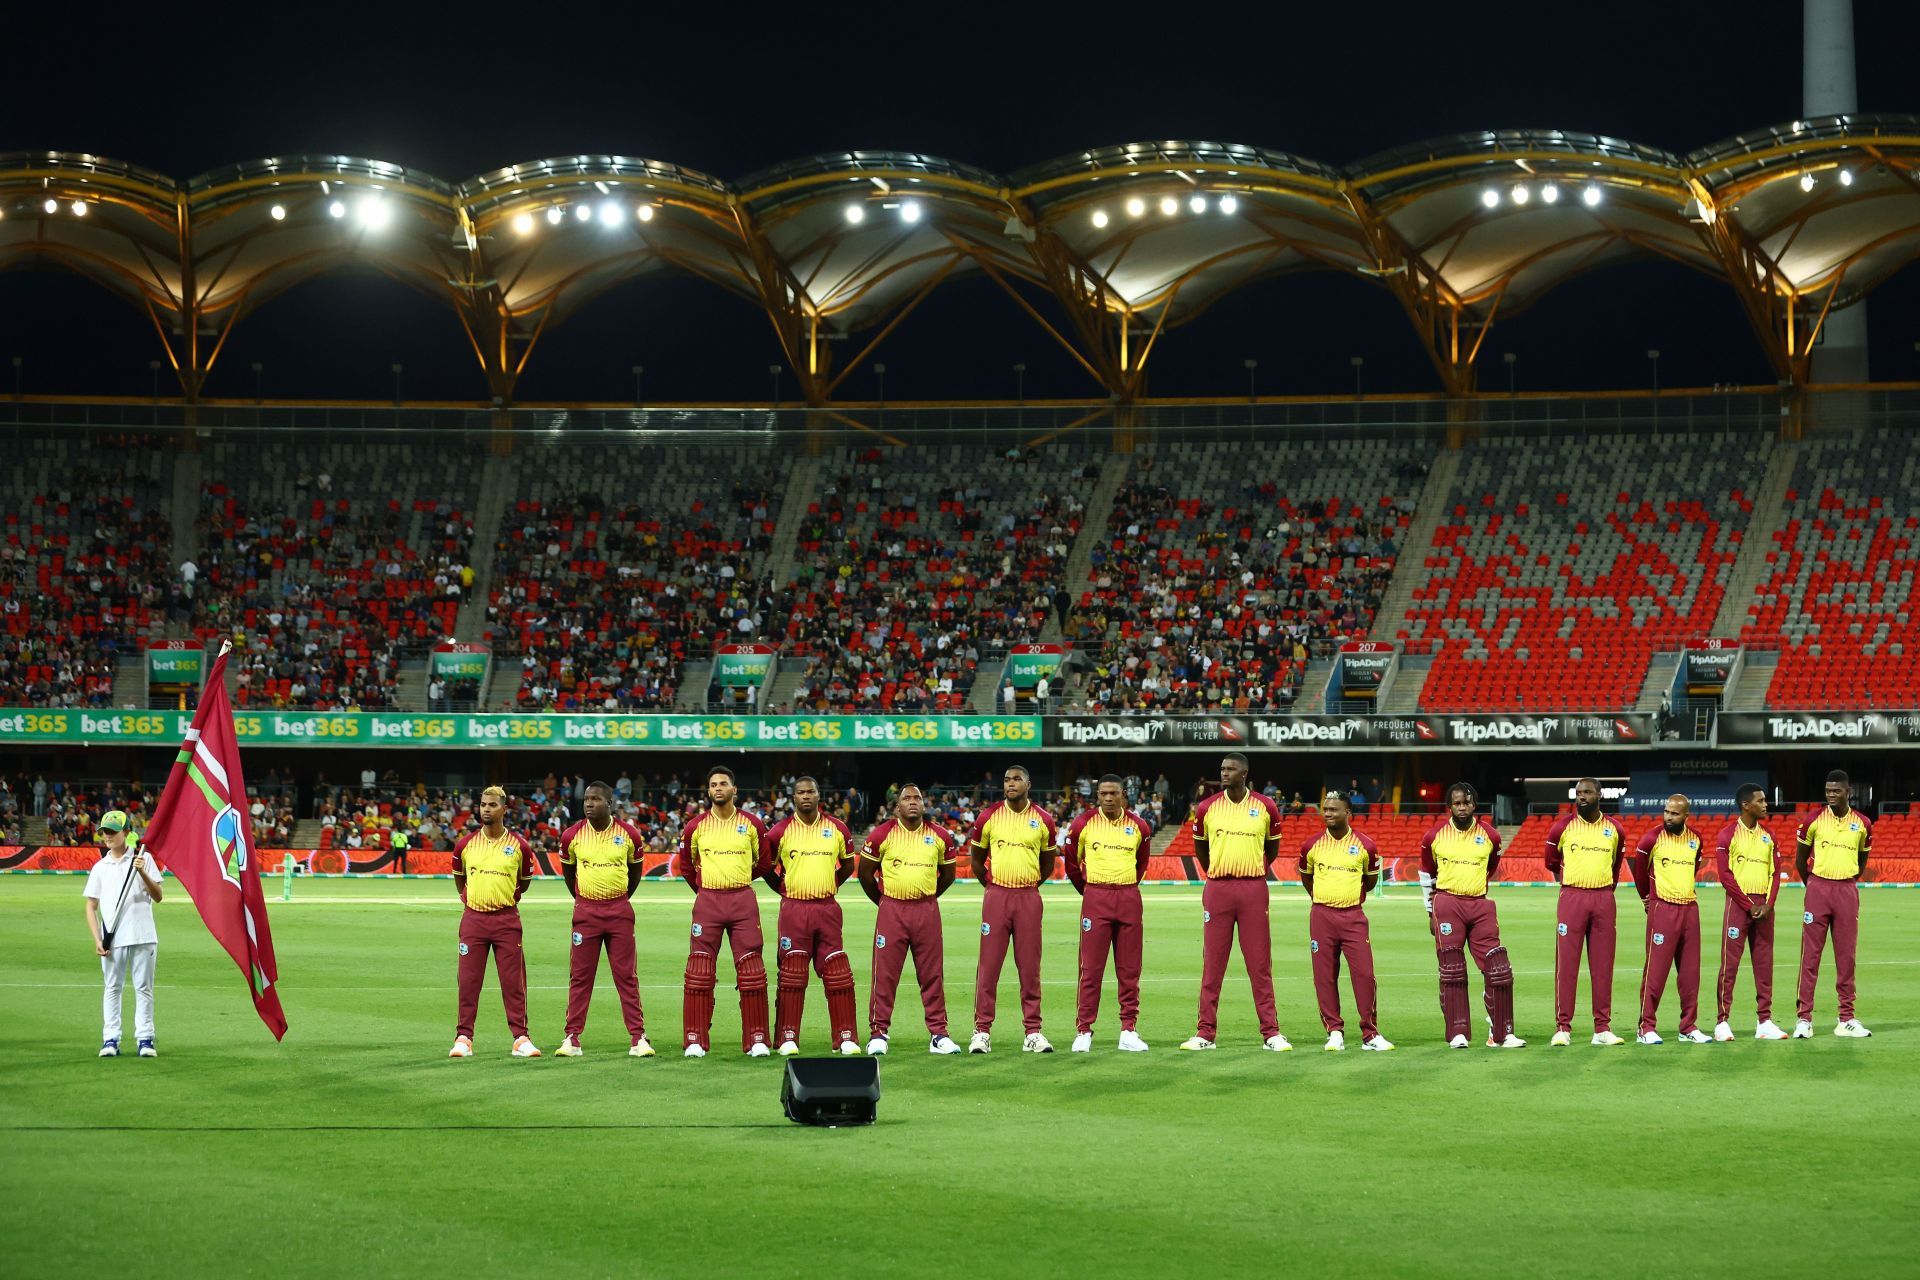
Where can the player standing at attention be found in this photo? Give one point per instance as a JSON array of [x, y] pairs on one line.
[[1236, 835], [1831, 856], [491, 870], [1106, 851], [1584, 850], [1749, 872], [808, 856], [906, 863], [1457, 858], [1011, 847], [1666, 864], [1338, 868], [720, 854], [127, 944], [600, 858]]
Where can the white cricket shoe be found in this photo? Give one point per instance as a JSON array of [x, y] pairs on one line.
[[1648, 1037], [641, 1049], [1722, 1032], [1377, 1043], [1606, 1039], [1803, 1030], [695, 1051], [525, 1048], [569, 1048], [1510, 1042], [1277, 1043], [111, 1048], [1561, 1040], [849, 1048], [1768, 1031], [1036, 1043], [1196, 1043], [146, 1050], [1130, 1042], [1458, 1042], [877, 1047], [788, 1048], [1696, 1036], [1083, 1042], [759, 1050], [1850, 1029], [462, 1048], [941, 1045], [1336, 1042], [982, 1042]]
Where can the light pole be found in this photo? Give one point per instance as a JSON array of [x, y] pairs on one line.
[[398, 369], [880, 380], [1512, 360], [1359, 364], [1020, 381], [639, 372], [153, 371], [1252, 367], [259, 393], [774, 369], [1653, 358]]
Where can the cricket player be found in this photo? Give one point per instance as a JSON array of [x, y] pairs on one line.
[[288, 865], [600, 860], [1584, 851], [1457, 859], [906, 863], [491, 870], [1666, 864], [808, 856], [1106, 855], [720, 855], [125, 941], [1745, 857], [1236, 837], [1338, 868], [1011, 847], [1831, 856]]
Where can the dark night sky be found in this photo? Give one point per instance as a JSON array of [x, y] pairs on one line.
[[460, 89]]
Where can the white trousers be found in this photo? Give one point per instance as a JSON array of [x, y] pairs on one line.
[[136, 960]]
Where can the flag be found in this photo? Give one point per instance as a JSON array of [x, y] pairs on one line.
[[200, 831]]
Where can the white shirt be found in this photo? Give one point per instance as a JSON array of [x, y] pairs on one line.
[[135, 923]]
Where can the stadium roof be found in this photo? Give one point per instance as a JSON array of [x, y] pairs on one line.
[[1126, 241]]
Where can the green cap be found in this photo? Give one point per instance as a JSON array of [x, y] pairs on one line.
[[113, 820]]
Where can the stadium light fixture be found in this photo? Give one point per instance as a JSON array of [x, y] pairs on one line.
[[337, 209], [611, 215], [1550, 194], [1490, 198], [856, 214], [51, 206], [554, 215], [1136, 206], [1169, 206], [1846, 177], [278, 213], [1198, 204], [375, 213], [523, 222], [644, 213], [582, 213], [1520, 193], [1228, 204], [79, 208], [910, 211], [1099, 217], [1590, 197], [1806, 182]]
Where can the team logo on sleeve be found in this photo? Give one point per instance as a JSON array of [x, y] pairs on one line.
[[1563, 929], [576, 937], [1733, 932]]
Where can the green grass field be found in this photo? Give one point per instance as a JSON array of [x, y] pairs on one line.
[[356, 1147]]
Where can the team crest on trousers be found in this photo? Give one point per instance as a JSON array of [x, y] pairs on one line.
[[1563, 930], [880, 941], [1733, 931], [1086, 925], [576, 938], [1446, 928], [1659, 939]]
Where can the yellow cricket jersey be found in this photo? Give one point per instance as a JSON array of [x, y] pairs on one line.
[[1109, 848], [1674, 862], [1237, 833], [1750, 856], [1339, 865], [1586, 850], [600, 858], [910, 858], [1838, 843], [724, 852], [493, 868], [808, 856], [1458, 860], [1014, 840]]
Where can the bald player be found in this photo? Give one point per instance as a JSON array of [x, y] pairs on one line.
[[720, 854], [906, 863], [1457, 859], [808, 856], [1236, 837], [600, 859], [1584, 851], [1106, 853], [491, 869], [1831, 856], [1011, 848], [1339, 868], [1748, 865], [1665, 866]]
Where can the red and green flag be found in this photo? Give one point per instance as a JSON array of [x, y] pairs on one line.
[[201, 833]]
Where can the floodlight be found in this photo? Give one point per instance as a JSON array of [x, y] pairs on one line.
[[1590, 197], [79, 208], [582, 212], [1136, 206], [644, 213], [278, 213], [51, 206], [1490, 198], [910, 211], [1169, 206], [1846, 177], [1520, 193], [611, 214], [1550, 194], [375, 213], [1228, 204], [523, 222], [554, 215], [1806, 182], [1099, 217], [1198, 204], [337, 209], [856, 214]]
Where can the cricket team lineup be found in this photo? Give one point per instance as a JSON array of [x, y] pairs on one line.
[[906, 862]]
